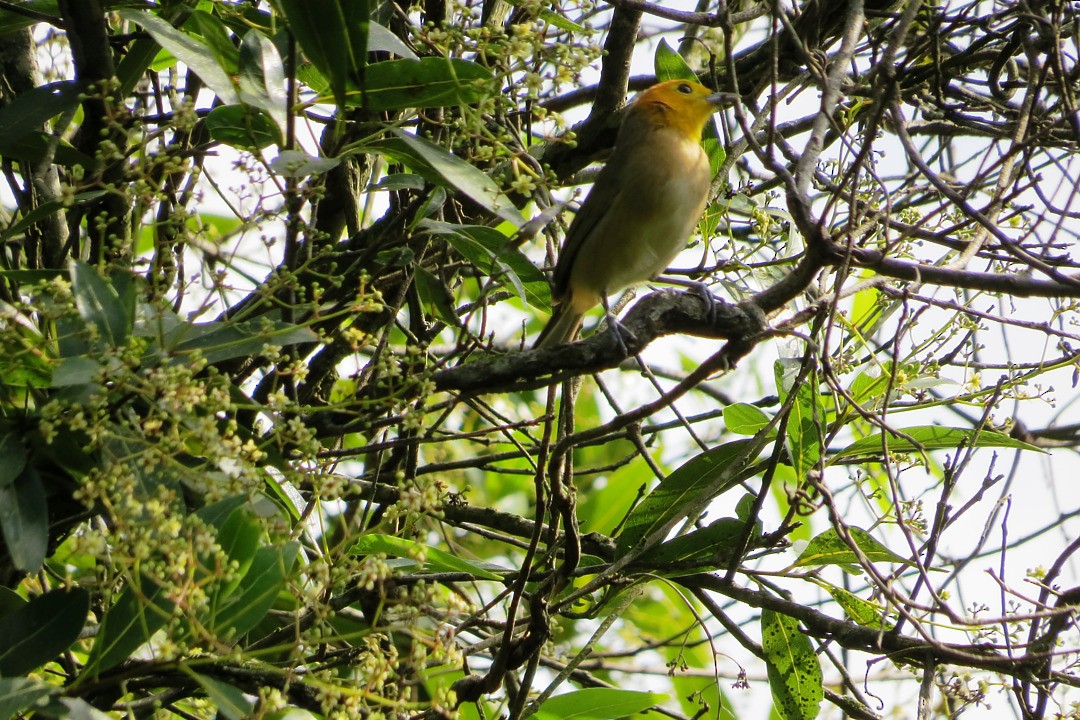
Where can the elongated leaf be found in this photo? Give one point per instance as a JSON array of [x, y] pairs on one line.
[[434, 295], [24, 517], [216, 38], [745, 419], [128, 624], [262, 77], [141, 53], [73, 709], [491, 251], [861, 611], [77, 370], [381, 38], [866, 388], [242, 127], [426, 83], [46, 209], [41, 629], [828, 549], [710, 546], [423, 155], [933, 437], [10, 601], [670, 65], [13, 456], [219, 341], [28, 112], [437, 560], [18, 694], [99, 304], [228, 700], [598, 703], [187, 49], [806, 416], [334, 36], [217, 513], [257, 591], [793, 668], [710, 473], [296, 163], [238, 537]]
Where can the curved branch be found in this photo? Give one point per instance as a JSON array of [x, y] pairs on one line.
[[662, 313]]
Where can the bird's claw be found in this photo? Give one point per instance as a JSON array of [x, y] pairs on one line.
[[621, 333], [711, 302]]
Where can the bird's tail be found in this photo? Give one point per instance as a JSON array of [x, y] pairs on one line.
[[563, 326]]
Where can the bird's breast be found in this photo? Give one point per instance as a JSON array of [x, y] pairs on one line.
[[662, 193]]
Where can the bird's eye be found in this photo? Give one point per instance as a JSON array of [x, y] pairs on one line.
[[685, 89]]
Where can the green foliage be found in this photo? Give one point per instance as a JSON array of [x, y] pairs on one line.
[[597, 703], [829, 548], [684, 491], [794, 670], [38, 631]]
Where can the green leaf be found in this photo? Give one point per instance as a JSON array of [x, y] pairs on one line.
[[380, 38], [46, 209], [744, 419], [28, 112], [437, 560], [711, 473], [863, 612], [24, 516], [423, 155], [257, 591], [100, 305], [805, 418], [128, 624], [933, 437], [187, 49], [828, 549], [262, 78], [77, 370], [18, 694], [599, 703], [242, 127], [216, 38], [793, 668], [670, 65], [866, 388], [428, 83], [295, 163], [238, 537], [73, 709], [492, 252], [13, 456], [141, 54], [217, 341], [228, 700], [10, 601], [41, 629], [710, 546], [562, 22], [217, 513], [434, 295], [334, 36]]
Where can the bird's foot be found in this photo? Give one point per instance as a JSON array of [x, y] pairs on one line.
[[621, 333], [711, 302]]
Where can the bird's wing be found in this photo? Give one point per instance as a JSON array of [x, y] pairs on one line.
[[591, 214]]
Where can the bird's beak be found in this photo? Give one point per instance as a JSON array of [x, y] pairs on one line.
[[720, 99]]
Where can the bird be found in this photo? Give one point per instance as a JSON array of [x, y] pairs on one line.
[[642, 208]]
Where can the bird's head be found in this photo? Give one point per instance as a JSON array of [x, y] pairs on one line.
[[683, 104]]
